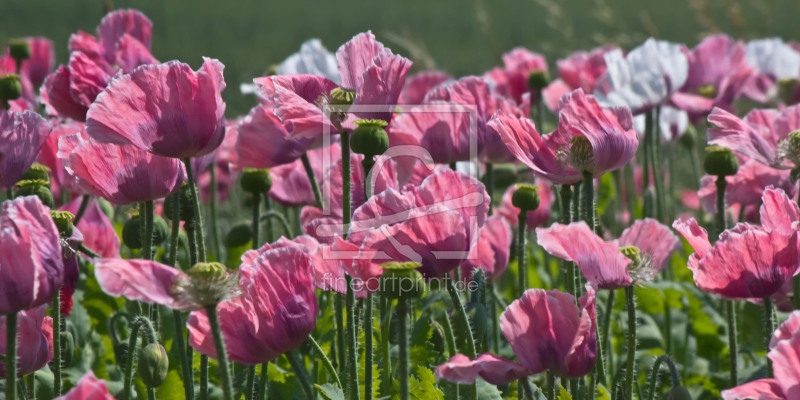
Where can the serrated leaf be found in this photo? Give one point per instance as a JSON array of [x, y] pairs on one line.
[[563, 394], [423, 386], [172, 387], [487, 391], [330, 391]]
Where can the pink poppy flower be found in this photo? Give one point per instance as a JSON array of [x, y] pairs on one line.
[[773, 60], [31, 264], [419, 84], [718, 74], [784, 351], [34, 340], [512, 80], [122, 44], [119, 174], [491, 251], [22, 135], [33, 71], [435, 224], [60, 179], [587, 139], [602, 262], [224, 159], [547, 332], [747, 262], [581, 70], [762, 135], [451, 123], [275, 313], [747, 186], [290, 184], [264, 142], [98, 232], [88, 388], [150, 109], [538, 217]]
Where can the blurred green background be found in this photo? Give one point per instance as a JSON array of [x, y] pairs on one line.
[[459, 36]]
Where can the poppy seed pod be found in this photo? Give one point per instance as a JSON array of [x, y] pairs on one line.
[[401, 280], [37, 172], [239, 235], [153, 364], [184, 195], [369, 138], [10, 87], [63, 220], [679, 393], [526, 197], [132, 232], [19, 49], [256, 180], [538, 79], [36, 188], [720, 161]]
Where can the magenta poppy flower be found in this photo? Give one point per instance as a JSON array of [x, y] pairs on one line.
[[122, 44], [434, 224], [547, 332], [34, 340], [290, 184], [581, 70], [718, 75], [224, 160], [119, 174], [41, 62], [419, 84], [98, 232], [587, 139], [264, 142], [151, 109], [538, 217], [773, 60], [22, 135], [31, 264], [747, 186], [60, 179], [451, 124], [275, 313], [747, 262], [762, 135], [602, 262], [491, 251], [88, 388], [512, 80], [784, 351]]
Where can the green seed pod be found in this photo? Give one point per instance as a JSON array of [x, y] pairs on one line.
[[10, 87], [679, 393], [526, 197], [401, 280], [107, 208], [184, 195], [63, 220], [256, 180], [35, 188], [538, 80], [153, 364], [689, 138], [67, 348], [132, 231], [19, 49], [478, 320], [239, 235], [342, 97], [37, 172], [369, 138], [720, 161]]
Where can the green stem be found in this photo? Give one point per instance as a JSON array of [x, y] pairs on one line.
[[81, 209], [147, 251], [338, 304], [489, 180], [769, 328], [655, 144], [203, 377], [11, 356], [540, 110], [312, 179], [604, 338], [198, 216], [256, 220], [587, 197], [177, 318], [676, 381], [57, 352], [796, 291], [139, 323], [368, 346], [222, 355], [630, 190], [352, 344], [345, 138], [450, 340], [300, 372], [386, 309], [215, 237], [325, 360], [629, 367], [262, 381], [732, 343], [287, 230], [648, 136], [495, 324], [461, 313], [402, 337], [551, 385], [721, 222], [566, 197], [522, 263]]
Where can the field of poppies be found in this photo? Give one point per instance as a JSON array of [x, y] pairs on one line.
[[621, 226]]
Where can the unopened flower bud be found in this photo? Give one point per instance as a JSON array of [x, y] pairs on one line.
[[401, 280], [63, 220], [256, 180], [153, 364], [720, 161], [35, 187], [19, 49], [342, 97], [67, 348], [239, 235], [707, 91], [132, 231], [10, 87], [679, 393], [538, 79], [478, 320], [184, 196], [526, 197], [370, 138], [37, 172]]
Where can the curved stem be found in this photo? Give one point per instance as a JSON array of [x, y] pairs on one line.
[[198, 216], [313, 180], [676, 379], [256, 220], [11, 356], [769, 328], [629, 367], [458, 308], [81, 209], [522, 263], [287, 230], [402, 337], [222, 355], [57, 352], [300, 371], [325, 360], [139, 323]]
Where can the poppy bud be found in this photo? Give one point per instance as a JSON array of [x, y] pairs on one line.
[[10, 87], [132, 232], [184, 195], [720, 161], [342, 97], [538, 80], [36, 187], [370, 138], [679, 393], [688, 138], [153, 364], [19, 49], [107, 208], [239, 235], [256, 180], [37, 172], [526, 197], [794, 174], [67, 348], [63, 220], [401, 280], [478, 320]]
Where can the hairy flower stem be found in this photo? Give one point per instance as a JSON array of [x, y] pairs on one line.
[[769, 328], [461, 313], [402, 337], [215, 237], [566, 197], [796, 289], [450, 339], [300, 372], [589, 217], [263, 382], [250, 383], [629, 366], [222, 355], [11, 356], [81, 208], [648, 137], [720, 220], [203, 377], [352, 341], [139, 323], [57, 351], [522, 262], [676, 380], [338, 303], [198, 216], [732, 342], [256, 221], [551, 385], [604, 339], [489, 182], [386, 320], [658, 177], [186, 368], [367, 163], [147, 250], [313, 180], [325, 360]]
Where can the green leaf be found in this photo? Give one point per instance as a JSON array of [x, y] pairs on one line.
[[330, 391], [487, 391], [172, 388], [423, 386], [563, 394], [602, 393]]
